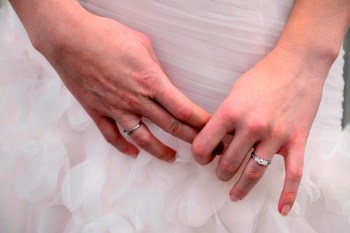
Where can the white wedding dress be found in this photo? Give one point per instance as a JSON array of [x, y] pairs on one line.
[[58, 175]]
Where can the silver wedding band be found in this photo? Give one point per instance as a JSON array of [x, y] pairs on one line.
[[133, 129], [259, 160]]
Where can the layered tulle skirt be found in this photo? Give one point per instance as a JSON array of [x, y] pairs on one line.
[[57, 174]]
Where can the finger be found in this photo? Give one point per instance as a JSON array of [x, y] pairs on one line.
[[145, 139], [253, 171], [169, 123], [110, 132], [174, 101], [232, 159], [209, 138], [294, 168]]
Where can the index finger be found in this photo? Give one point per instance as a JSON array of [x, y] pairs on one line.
[[209, 138]]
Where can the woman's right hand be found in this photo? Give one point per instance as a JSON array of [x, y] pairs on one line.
[[115, 75]]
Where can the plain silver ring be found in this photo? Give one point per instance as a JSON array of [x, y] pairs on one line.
[[133, 129], [259, 160]]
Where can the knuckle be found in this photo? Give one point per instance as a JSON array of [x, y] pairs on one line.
[[129, 100], [198, 150], [254, 175], [184, 113], [256, 127], [147, 79], [228, 118], [280, 132], [110, 139], [228, 166], [145, 40], [175, 128], [295, 174], [289, 196], [143, 141], [132, 102], [228, 114]]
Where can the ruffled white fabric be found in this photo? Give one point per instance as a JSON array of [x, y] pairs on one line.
[[57, 174]]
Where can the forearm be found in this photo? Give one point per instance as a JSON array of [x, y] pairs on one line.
[[315, 30], [42, 18]]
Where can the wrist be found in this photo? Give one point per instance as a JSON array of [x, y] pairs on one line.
[[59, 29], [46, 21], [310, 54], [302, 66], [314, 32]]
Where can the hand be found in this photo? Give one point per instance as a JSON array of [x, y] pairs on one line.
[[271, 109], [115, 75]]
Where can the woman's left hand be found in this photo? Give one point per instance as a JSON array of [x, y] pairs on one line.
[[271, 109]]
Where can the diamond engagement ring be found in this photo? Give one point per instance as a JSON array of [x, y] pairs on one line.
[[259, 160], [133, 129]]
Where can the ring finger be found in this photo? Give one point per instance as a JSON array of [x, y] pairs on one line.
[[254, 171], [143, 137]]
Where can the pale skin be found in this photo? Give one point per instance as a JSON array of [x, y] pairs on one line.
[[272, 106], [114, 74], [118, 79]]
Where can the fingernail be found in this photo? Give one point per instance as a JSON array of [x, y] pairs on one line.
[[234, 198], [285, 210], [133, 154], [172, 160], [171, 157]]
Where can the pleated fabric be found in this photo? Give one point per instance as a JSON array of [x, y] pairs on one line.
[[57, 174]]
